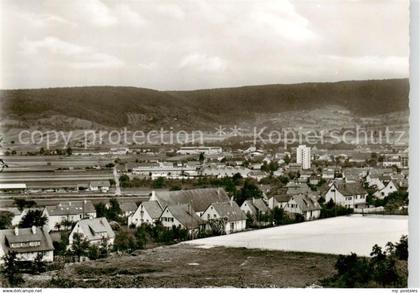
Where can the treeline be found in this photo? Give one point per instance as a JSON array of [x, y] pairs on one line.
[[385, 268]]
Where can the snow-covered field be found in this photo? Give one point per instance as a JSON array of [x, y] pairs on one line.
[[341, 235]]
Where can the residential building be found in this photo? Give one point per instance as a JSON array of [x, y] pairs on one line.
[[233, 218], [69, 211], [350, 195], [304, 205], [183, 216], [255, 207], [303, 156], [199, 199], [27, 243], [95, 231], [391, 187], [148, 212]]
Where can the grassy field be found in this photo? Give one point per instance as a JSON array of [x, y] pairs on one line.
[[188, 266]]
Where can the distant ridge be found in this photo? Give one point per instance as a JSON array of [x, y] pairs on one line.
[[131, 106]]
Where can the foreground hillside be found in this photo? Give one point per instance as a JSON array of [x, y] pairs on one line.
[[186, 266], [95, 107]]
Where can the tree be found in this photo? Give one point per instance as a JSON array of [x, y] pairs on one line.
[[124, 241], [249, 190], [11, 270], [100, 209], [38, 265], [22, 203], [141, 237], [201, 158], [159, 182], [33, 218], [5, 219], [69, 151], [114, 211], [80, 245]]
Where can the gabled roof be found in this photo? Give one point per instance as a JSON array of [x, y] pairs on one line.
[[128, 206], [229, 210], [71, 208], [185, 215], [260, 205], [349, 189], [25, 235], [199, 199], [282, 197], [306, 203], [92, 227], [250, 206], [297, 189], [153, 209]]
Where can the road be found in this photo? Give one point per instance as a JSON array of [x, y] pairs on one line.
[[341, 235]]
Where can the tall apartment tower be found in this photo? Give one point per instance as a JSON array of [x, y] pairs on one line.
[[303, 156]]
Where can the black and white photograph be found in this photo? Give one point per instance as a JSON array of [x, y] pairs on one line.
[[206, 144]]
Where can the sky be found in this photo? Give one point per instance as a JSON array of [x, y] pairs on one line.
[[192, 44]]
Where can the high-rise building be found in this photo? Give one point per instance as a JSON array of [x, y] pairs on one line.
[[303, 156]]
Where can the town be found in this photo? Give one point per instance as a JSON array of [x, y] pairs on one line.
[[75, 205]]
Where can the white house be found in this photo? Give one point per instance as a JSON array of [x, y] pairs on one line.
[[254, 207], [350, 195], [27, 243], [70, 211], [388, 189], [302, 204], [148, 212], [182, 216], [229, 212], [94, 231]]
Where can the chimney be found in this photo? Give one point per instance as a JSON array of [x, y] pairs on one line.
[[17, 231], [231, 201], [33, 230]]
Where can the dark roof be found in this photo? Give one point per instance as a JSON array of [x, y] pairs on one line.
[[229, 210], [251, 206], [185, 215], [199, 199], [128, 206], [71, 208], [260, 205], [153, 209], [297, 189], [306, 203], [348, 189], [282, 197], [25, 235]]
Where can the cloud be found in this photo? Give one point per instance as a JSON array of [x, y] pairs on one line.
[[68, 54], [95, 11], [203, 62], [126, 14]]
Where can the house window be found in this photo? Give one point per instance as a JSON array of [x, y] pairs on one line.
[[208, 216], [232, 226]]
